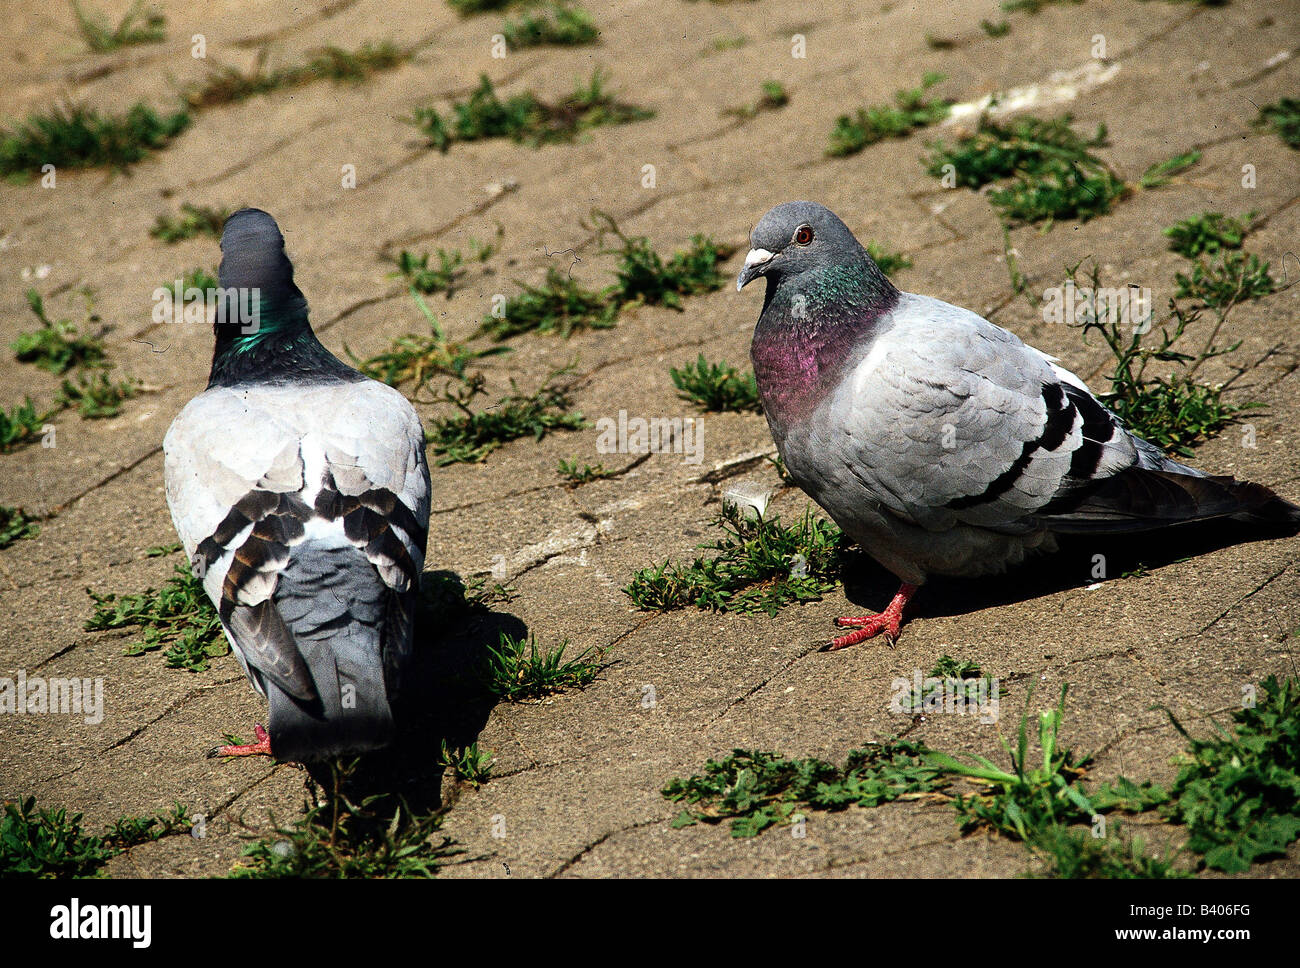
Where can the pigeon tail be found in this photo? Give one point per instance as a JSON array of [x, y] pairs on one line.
[[1141, 498], [351, 630]]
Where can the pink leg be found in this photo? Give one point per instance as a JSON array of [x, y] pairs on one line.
[[261, 748], [889, 621]]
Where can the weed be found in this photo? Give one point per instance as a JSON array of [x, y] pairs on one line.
[[227, 85], [716, 387], [137, 26], [1239, 795], [568, 469], [468, 7], [21, 425], [524, 118], [337, 838], [516, 669], [75, 136], [999, 29], [754, 790], [1172, 412], [415, 358], [420, 277], [468, 763], [1207, 233], [643, 277], [180, 617], [96, 396], [557, 24], [559, 305], [16, 524], [889, 262], [966, 671], [759, 566], [1055, 175], [48, 843], [470, 436], [56, 347], [1231, 278], [193, 221], [853, 133], [774, 97], [1283, 116]]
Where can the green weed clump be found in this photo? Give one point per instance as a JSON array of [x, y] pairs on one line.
[[137, 26], [21, 425], [774, 97], [911, 110], [1231, 278], [1283, 116], [16, 524], [75, 136], [525, 118], [1208, 233], [227, 85], [517, 669], [759, 565], [716, 387], [179, 618], [193, 221], [50, 843], [556, 24], [470, 435], [56, 347]]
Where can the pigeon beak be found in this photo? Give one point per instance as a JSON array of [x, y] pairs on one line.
[[756, 264]]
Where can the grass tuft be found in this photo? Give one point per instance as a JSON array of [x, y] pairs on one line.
[[556, 24], [716, 387], [16, 524], [524, 118], [137, 26], [97, 397], [179, 617], [773, 98], [193, 221], [518, 670], [911, 110], [760, 565], [76, 136], [226, 85], [48, 843], [338, 838], [21, 425], [469, 436]]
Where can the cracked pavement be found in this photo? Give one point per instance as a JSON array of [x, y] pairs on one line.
[[577, 777]]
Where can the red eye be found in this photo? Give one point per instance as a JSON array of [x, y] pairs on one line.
[[803, 235]]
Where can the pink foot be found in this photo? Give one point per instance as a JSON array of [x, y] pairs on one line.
[[261, 748], [865, 626]]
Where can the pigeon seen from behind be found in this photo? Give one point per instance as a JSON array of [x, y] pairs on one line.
[[300, 491], [939, 442]]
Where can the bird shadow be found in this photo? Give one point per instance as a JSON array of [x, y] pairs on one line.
[[1081, 560], [442, 702]]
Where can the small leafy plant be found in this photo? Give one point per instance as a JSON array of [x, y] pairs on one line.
[[468, 763], [774, 97], [56, 347], [470, 435], [889, 262], [194, 220], [568, 469], [96, 396], [75, 136], [1231, 278], [227, 85], [16, 524], [716, 387], [911, 110], [48, 843], [1208, 233], [1283, 116], [759, 565], [517, 669], [21, 425], [179, 617]]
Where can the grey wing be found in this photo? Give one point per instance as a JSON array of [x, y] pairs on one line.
[[258, 478], [951, 420]]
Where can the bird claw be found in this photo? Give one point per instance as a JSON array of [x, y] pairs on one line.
[[864, 627], [262, 747]]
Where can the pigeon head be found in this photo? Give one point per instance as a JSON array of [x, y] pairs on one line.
[[800, 237], [256, 274]]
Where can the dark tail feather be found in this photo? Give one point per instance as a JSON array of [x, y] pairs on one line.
[[1141, 499]]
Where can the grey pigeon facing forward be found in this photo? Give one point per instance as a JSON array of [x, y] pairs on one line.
[[938, 441], [300, 491]]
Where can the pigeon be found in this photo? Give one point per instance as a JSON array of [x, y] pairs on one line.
[[300, 491], [939, 442]]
